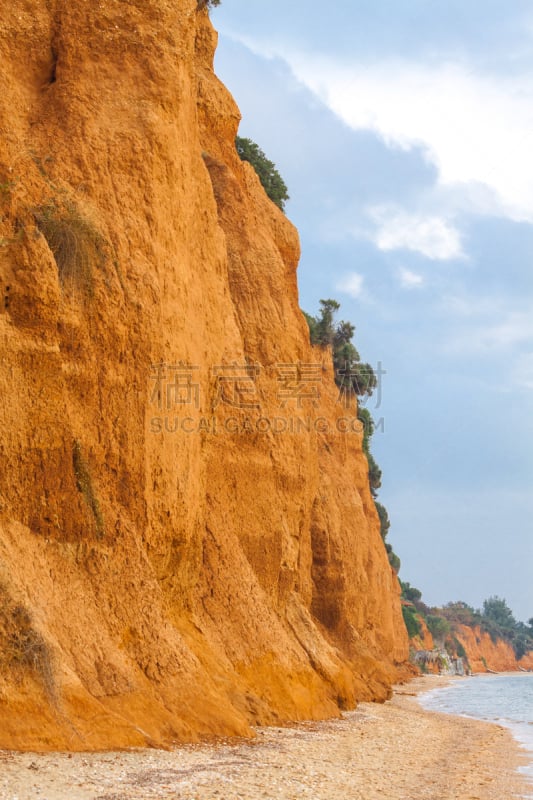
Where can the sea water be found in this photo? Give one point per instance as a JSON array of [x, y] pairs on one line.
[[505, 699]]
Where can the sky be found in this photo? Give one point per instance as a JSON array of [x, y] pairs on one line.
[[404, 132]]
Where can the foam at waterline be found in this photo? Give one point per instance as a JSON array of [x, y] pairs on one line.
[[504, 699]]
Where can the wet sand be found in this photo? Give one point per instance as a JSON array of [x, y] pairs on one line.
[[397, 751]]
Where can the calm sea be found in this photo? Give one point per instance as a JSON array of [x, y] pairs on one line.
[[505, 699]]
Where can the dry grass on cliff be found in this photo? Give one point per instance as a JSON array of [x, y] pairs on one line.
[[75, 243], [22, 648], [85, 486]]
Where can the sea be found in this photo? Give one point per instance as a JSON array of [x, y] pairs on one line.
[[505, 699]]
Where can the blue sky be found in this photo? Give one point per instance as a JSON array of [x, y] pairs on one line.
[[404, 132]]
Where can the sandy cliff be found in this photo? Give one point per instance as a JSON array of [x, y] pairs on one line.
[[170, 567], [425, 640], [470, 642], [483, 653]]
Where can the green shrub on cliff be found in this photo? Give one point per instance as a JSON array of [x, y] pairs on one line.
[[498, 621], [207, 4], [350, 372], [354, 379], [384, 521], [352, 376], [438, 626], [322, 327], [409, 592], [458, 647], [411, 622], [374, 475], [522, 645], [394, 560], [271, 180]]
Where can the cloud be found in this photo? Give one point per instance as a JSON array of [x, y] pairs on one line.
[[432, 236], [515, 329], [508, 332], [475, 128], [484, 327], [409, 279], [352, 285]]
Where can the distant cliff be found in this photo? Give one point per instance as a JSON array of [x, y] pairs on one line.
[[188, 542], [483, 653], [459, 638]]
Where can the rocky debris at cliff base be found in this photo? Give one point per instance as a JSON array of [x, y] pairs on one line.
[[396, 750]]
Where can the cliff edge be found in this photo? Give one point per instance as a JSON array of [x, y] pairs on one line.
[[188, 543]]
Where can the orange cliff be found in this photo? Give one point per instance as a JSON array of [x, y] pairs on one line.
[[484, 654], [159, 585], [424, 641], [481, 652]]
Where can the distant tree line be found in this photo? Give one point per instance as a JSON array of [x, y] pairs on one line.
[[495, 618]]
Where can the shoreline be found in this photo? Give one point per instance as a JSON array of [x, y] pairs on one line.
[[396, 750], [518, 730]]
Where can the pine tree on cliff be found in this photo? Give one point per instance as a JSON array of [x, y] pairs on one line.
[[266, 170]]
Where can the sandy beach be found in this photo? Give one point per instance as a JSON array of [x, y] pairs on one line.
[[396, 750]]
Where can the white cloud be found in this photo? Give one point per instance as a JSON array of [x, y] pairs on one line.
[[515, 329], [484, 327], [509, 332], [432, 236], [490, 306], [352, 285], [475, 128], [409, 279]]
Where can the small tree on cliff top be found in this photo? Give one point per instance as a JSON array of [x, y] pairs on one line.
[[497, 610], [271, 180], [207, 4], [349, 370], [409, 592]]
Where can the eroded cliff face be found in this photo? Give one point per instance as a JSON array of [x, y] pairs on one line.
[[473, 645], [485, 654], [425, 640], [162, 580]]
